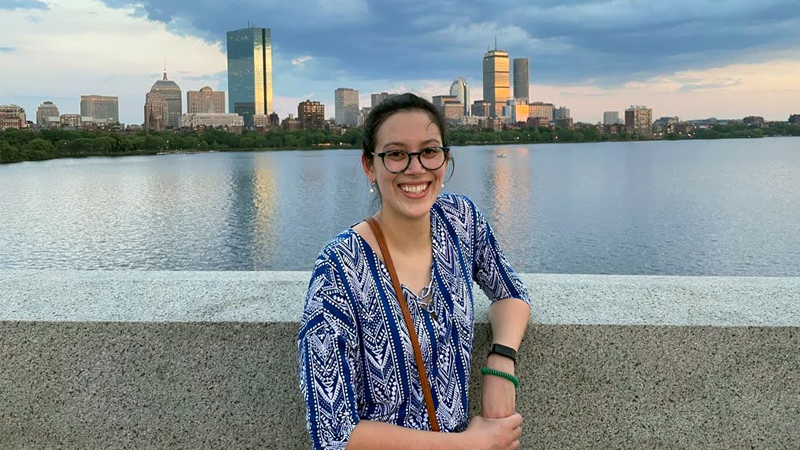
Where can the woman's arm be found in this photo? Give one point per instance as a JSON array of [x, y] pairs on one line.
[[481, 434], [509, 319]]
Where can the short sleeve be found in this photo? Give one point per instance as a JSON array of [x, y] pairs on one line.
[[327, 347], [491, 269]]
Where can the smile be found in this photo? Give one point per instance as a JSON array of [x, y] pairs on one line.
[[414, 188]]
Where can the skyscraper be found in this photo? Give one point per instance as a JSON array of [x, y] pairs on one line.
[[205, 101], [377, 99], [346, 107], [250, 72], [156, 111], [522, 79], [496, 80], [103, 107], [460, 90], [172, 95], [45, 111]]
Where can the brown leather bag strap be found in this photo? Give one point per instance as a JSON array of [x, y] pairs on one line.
[[423, 377]]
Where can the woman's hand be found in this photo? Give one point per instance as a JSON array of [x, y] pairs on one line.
[[498, 395], [493, 434]]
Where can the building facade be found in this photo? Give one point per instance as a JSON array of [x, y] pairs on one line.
[[71, 121], [639, 120], [377, 99], [518, 110], [481, 108], [541, 110], [104, 107], [250, 72], [156, 112], [522, 79], [205, 101], [346, 107], [12, 116], [211, 120], [611, 118], [561, 113], [172, 96], [496, 81], [45, 111], [460, 90], [311, 115]]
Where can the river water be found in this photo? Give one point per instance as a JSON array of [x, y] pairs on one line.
[[727, 207]]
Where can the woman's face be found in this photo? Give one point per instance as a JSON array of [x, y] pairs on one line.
[[409, 194]]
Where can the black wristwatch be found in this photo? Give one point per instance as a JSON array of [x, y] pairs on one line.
[[503, 350]]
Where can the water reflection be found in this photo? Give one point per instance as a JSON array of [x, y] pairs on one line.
[[699, 208]]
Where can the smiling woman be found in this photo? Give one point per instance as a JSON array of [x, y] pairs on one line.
[[386, 335]]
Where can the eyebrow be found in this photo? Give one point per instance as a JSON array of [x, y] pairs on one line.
[[435, 141]]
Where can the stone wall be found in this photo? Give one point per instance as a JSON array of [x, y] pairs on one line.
[[108, 359]]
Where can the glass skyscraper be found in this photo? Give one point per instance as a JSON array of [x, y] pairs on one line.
[[250, 72], [521, 79], [496, 81]]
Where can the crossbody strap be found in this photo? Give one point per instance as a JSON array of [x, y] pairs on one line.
[[423, 377]]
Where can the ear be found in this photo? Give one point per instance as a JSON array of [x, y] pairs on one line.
[[369, 172]]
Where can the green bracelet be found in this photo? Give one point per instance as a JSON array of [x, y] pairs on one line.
[[497, 373]]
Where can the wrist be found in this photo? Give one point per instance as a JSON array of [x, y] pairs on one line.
[[501, 363]]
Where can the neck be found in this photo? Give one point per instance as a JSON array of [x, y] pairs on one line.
[[405, 235]]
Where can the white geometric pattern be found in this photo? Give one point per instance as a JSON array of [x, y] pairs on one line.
[[356, 359]]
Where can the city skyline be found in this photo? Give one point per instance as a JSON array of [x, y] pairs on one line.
[[708, 78]]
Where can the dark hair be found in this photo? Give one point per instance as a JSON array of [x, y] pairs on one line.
[[391, 106]]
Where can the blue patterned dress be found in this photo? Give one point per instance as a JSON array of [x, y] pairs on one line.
[[356, 358]]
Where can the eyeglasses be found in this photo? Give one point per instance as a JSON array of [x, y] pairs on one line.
[[397, 161]]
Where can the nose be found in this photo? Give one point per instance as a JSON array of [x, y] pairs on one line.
[[415, 165]]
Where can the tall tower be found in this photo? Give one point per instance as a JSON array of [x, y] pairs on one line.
[[346, 106], [496, 80], [522, 78], [250, 72], [172, 95], [460, 90]]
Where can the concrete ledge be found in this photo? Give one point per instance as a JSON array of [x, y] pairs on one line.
[[208, 360]]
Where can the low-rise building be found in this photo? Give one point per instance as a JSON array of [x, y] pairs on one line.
[[563, 122], [639, 120], [536, 122], [794, 119], [542, 110], [12, 116], [231, 122], [291, 124], [73, 121], [481, 108], [755, 120]]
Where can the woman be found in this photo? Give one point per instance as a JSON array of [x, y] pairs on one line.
[[358, 371]]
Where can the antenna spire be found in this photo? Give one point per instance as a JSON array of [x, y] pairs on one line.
[[165, 68]]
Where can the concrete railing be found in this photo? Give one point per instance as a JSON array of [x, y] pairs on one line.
[[209, 360]]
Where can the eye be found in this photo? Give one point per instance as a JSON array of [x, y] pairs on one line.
[[396, 155], [430, 152]]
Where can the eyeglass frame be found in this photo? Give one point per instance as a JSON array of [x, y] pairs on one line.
[[410, 155]]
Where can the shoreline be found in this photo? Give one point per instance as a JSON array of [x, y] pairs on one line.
[[332, 147]]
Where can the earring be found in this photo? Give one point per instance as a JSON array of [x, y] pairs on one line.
[[442, 184], [372, 188]]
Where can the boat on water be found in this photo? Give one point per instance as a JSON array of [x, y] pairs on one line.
[[501, 155]]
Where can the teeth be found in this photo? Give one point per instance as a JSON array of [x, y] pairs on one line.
[[414, 189]]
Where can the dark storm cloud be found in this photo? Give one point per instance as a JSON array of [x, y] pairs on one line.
[[608, 42], [22, 4]]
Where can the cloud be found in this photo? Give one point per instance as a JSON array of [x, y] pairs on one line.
[[7, 49], [22, 4], [301, 60]]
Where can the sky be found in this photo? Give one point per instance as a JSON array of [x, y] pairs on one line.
[[688, 58]]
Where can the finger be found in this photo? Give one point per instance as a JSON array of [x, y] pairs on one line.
[[515, 445], [515, 420]]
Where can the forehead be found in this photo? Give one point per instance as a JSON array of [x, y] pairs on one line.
[[408, 127]]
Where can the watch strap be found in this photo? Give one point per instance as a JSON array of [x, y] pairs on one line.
[[504, 350]]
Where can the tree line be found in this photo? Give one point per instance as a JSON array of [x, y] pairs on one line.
[[36, 145]]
